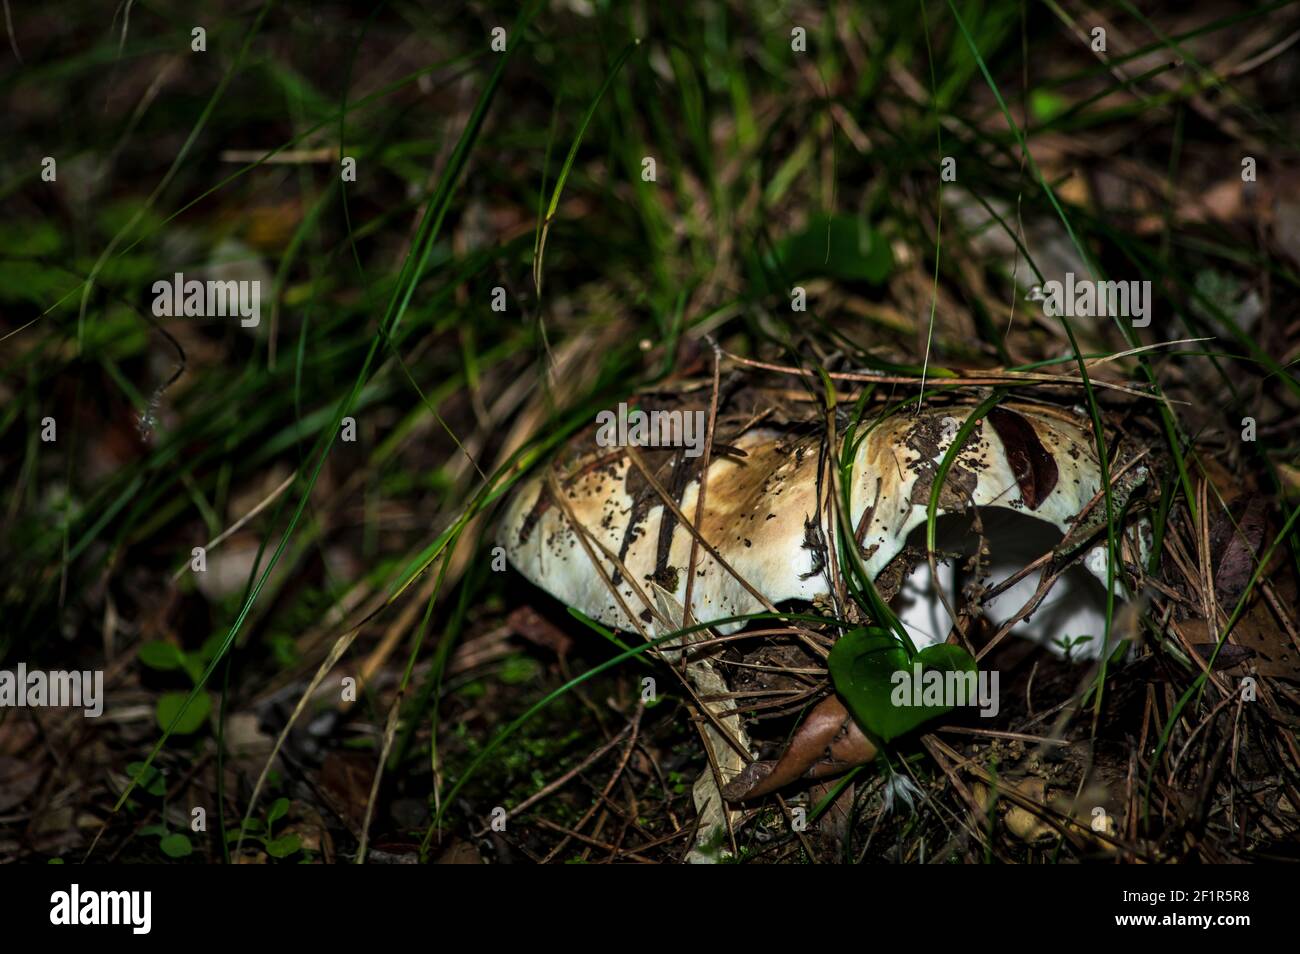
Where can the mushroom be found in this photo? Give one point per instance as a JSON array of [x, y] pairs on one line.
[[601, 534], [763, 523]]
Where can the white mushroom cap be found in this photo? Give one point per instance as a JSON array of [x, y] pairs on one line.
[[754, 517], [759, 509]]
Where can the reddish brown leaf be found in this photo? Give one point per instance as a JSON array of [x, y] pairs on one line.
[[1034, 466], [532, 626], [827, 742], [1238, 546]]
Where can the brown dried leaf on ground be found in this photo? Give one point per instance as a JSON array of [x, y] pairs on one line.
[[827, 742]]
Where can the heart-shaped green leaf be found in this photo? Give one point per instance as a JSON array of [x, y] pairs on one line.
[[843, 247], [169, 705], [176, 846], [284, 846], [160, 655], [879, 684], [837, 246]]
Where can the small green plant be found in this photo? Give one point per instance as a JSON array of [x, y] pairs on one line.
[[168, 657], [174, 844], [263, 832], [1069, 644]]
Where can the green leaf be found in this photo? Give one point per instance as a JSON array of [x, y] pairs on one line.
[[193, 668], [947, 658], [251, 827], [1046, 105], [176, 846], [160, 655], [30, 240], [284, 649], [874, 677], [169, 706], [284, 846], [151, 781], [211, 646], [279, 808], [836, 246], [519, 669]]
